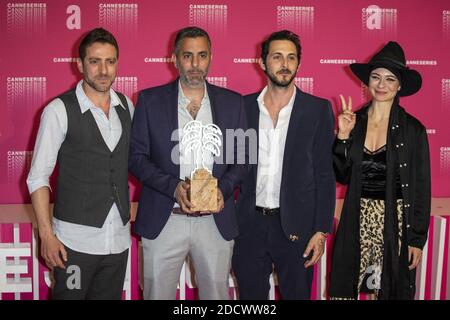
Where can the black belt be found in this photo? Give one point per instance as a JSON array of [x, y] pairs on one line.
[[268, 211], [195, 214]]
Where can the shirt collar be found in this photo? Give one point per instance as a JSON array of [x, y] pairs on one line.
[[86, 103], [262, 106], [184, 101]]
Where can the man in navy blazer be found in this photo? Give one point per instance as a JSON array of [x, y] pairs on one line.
[[170, 229], [286, 205]]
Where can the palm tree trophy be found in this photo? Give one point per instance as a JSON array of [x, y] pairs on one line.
[[202, 141]]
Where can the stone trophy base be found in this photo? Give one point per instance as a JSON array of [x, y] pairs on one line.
[[203, 191]]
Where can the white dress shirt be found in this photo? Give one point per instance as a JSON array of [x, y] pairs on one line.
[[272, 141], [113, 237]]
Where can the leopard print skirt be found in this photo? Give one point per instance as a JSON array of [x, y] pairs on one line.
[[371, 242]]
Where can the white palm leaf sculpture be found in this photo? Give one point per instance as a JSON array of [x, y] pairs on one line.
[[210, 141], [201, 140], [192, 139]]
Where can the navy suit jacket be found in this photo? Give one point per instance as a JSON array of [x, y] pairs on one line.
[[307, 195], [151, 146]]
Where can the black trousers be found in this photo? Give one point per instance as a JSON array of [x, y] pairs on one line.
[[257, 249], [90, 277]]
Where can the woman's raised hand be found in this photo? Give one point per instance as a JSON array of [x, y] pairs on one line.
[[347, 119]]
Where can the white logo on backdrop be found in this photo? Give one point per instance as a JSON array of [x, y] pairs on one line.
[[26, 19], [19, 163], [305, 84], [119, 18], [445, 96], [65, 60], [246, 60], [296, 19], [25, 92], [337, 61], [218, 81], [446, 24], [444, 161], [14, 266], [211, 17], [73, 21], [422, 62], [158, 60], [126, 85], [379, 23]]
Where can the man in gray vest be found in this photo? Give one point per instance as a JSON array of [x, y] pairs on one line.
[[86, 131]]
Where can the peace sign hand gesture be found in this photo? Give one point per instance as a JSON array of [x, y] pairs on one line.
[[347, 119]]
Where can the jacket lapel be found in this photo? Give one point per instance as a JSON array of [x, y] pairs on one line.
[[294, 122], [359, 136], [215, 110], [124, 117], [171, 108], [253, 122], [217, 119]]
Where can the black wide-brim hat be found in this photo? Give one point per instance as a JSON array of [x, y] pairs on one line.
[[391, 57]]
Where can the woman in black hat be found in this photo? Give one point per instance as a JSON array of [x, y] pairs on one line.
[[381, 153]]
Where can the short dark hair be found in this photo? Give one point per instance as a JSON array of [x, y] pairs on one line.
[[281, 35], [190, 32], [97, 35]]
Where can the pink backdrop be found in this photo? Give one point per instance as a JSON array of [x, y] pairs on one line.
[[40, 40]]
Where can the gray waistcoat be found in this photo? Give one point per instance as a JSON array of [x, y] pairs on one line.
[[91, 177]]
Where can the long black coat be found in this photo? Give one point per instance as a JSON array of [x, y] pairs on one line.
[[408, 156]]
